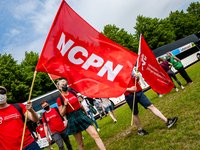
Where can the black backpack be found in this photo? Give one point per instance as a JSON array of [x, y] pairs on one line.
[[18, 107]]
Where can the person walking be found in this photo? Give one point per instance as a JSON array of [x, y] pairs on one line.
[[77, 120], [99, 106], [12, 118], [167, 67], [176, 62], [85, 104], [108, 108], [54, 120], [41, 134], [141, 98]]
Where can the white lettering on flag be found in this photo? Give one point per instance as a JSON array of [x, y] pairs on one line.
[[75, 50], [65, 47], [144, 58], [108, 67], [93, 60]]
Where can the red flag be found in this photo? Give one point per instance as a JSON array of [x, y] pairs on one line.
[[151, 71], [93, 65], [53, 76]]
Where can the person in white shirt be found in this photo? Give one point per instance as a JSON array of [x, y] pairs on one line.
[[99, 106], [109, 108], [85, 104]]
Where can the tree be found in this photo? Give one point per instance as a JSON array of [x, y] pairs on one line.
[[42, 83], [156, 32], [184, 24], [121, 37], [10, 77]]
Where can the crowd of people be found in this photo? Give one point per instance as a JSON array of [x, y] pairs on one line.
[[73, 119]]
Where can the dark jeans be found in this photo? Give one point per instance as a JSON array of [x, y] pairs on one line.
[[184, 74], [58, 136], [172, 75], [32, 146]]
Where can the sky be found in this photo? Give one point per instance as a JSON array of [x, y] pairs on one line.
[[25, 24]]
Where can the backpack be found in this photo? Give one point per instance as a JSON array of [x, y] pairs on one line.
[[18, 107], [57, 112], [71, 91]]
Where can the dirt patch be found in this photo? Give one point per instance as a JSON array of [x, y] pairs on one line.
[[120, 135]]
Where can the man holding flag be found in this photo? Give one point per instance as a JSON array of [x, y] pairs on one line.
[[156, 78], [12, 118], [141, 98]]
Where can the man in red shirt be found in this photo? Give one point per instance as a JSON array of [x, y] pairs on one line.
[[56, 126], [41, 134], [141, 98], [12, 125]]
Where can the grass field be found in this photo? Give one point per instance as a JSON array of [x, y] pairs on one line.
[[185, 134]]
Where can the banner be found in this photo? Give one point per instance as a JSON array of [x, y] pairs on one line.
[[93, 65], [151, 71]]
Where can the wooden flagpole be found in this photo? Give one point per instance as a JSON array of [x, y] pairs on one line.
[[133, 105], [57, 87], [27, 110], [135, 83], [61, 92]]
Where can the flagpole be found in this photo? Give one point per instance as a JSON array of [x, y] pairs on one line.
[[60, 92], [27, 110], [57, 87], [135, 81], [133, 105]]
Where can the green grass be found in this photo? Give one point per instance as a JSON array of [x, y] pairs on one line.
[[185, 134]]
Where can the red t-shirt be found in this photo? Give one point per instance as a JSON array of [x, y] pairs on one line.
[[11, 129], [54, 120], [73, 100], [132, 83], [40, 130]]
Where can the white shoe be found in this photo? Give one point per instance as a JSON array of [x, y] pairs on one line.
[[115, 121], [98, 129], [182, 87], [160, 95], [82, 137], [177, 89]]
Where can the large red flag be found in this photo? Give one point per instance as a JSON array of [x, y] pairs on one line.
[[151, 71], [93, 65]]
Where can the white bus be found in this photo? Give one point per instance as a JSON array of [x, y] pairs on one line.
[[186, 49]]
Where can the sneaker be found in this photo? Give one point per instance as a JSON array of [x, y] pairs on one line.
[[51, 147], [189, 83], [160, 95], [142, 132], [182, 87], [171, 122], [98, 129], [105, 115], [177, 89], [115, 121], [100, 118]]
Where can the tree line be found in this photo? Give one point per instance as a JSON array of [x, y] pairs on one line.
[[17, 78]]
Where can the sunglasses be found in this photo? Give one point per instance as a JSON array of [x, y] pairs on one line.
[[2, 92]]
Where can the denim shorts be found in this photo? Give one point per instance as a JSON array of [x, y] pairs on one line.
[[109, 108], [141, 98]]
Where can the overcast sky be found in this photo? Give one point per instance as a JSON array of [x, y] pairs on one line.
[[24, 24]]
